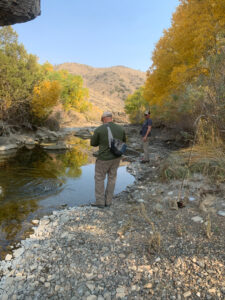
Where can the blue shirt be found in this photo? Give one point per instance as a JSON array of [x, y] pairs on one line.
[[144, 129]]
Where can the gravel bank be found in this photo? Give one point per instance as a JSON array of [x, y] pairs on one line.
[[142, 247]]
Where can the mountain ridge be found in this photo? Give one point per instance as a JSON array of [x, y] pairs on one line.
[[108, 87]]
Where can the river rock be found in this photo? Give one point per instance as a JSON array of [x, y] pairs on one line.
[[197, 219], [221, 213], [8, 147]]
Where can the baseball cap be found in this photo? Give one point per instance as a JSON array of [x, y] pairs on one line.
[[147, 112], [106, 114]]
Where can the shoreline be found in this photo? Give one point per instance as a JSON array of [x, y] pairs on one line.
[[140, 248]]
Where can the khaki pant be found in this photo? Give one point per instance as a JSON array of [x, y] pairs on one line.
[[103, 167], [146, 148]]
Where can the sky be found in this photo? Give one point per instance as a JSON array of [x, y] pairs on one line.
[[99, 33]]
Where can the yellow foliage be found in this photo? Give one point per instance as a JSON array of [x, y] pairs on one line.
[[178, 58], [45, 97]]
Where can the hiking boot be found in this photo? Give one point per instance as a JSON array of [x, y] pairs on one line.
[[97, 205], [144, 161]]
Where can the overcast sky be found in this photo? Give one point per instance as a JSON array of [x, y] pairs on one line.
[[99, 33]]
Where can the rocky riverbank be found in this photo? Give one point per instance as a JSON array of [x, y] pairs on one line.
[[142, 247]]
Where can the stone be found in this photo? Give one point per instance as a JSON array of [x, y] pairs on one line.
[[187, 294], [197, 219], [4, 297], [8, 257], [221, 213], [158, 208], [8, 147], [90, 276], [92, 297], [148, 285], [18, 252], [23, 11], [121, 292], [90, 286], [191, 198], [141, 201], [35, 222]]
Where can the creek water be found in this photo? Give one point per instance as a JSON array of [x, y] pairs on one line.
[[35, 182]]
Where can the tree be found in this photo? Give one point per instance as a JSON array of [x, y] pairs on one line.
[[19, 72], [45, 97], [135, 105], [197, 27], [73, 94]]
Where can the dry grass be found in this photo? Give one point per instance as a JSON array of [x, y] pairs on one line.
[[206, 156], [208, 227], [208, 159], [153, 240]]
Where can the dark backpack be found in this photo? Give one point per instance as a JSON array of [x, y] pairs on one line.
[[116, 146]]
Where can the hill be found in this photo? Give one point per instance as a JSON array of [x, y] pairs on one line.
[[108, 87]]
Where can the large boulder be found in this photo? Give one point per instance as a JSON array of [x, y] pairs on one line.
[[18, 11]]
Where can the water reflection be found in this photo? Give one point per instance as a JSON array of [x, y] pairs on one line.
[[36, 182]]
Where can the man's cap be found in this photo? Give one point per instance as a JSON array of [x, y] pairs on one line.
[[147, 112], [106, 114]]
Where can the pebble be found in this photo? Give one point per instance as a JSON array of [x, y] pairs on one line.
[[8, 257], [187, 294], [197, 219], [92, 297], [221, 213]]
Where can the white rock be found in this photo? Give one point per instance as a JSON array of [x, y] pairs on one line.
[[187, 294], [90, 286], [141, 201], [18, 252], [89, 276], [120, 292], [157, 259], [191, 198], [92, 297], [221, 213], [4, 297], [8, 257], [170, 193], [8, 147], [57, 287], [197, 219], [47, 284], [35, 222]]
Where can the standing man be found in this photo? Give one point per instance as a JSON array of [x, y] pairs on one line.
[[107, 162], [145, 134]]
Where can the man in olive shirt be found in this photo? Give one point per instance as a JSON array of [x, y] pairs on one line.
[[107, 162]]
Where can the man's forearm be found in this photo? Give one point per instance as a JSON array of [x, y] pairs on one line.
[[148, 131]]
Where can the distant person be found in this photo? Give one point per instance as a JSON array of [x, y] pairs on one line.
[[145, 134], [106, 162]]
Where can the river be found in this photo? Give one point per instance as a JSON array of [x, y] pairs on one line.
[[35, 182]]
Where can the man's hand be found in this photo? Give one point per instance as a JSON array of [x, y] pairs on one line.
[[145, 138]]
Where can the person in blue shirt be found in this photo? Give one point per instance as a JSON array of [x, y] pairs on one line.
[[145, 134]]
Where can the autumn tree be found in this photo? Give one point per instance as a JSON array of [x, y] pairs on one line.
[[181, 57], [19, 72], [135, 105], [73, 95], [45, 97]]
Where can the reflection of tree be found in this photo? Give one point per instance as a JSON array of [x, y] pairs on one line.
[[13, 213], [28, 175]]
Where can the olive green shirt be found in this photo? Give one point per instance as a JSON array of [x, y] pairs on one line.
[[100, 138]]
